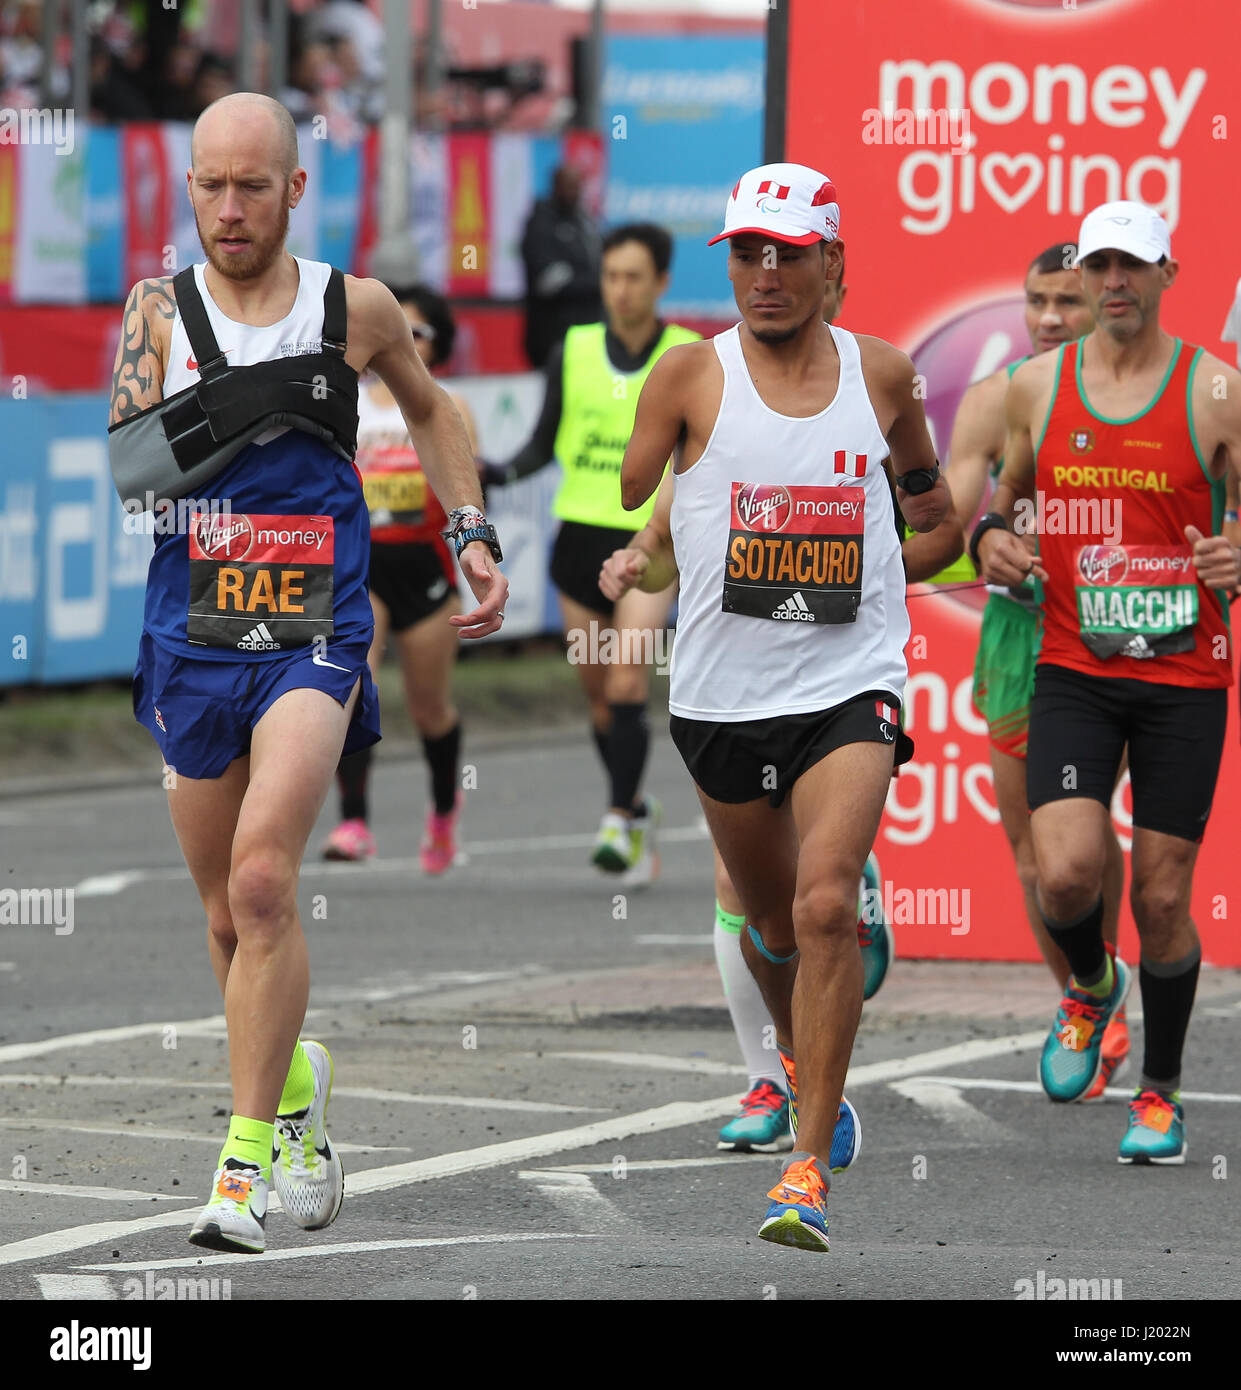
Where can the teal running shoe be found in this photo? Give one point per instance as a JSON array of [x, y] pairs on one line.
[[874, 934], [1073, 1052], [797, 1215], [1156, 1131], [763, 1125]]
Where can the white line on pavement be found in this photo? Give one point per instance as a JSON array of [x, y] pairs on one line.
[[179, 1136], [947, 1104], [630, 1165], [102, 1194], [671, 940], [654, 1061], [88, 1288], [979, 1083], [920, 1062], [353, 1247], [190, 1027], [580, 1201]]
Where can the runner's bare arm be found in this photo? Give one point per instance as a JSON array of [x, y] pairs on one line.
[[928, 552], [1003, 558], [977, 443], [1217, 428], [146, 329], [648, 562], [909, 441], [659, 422], [380, 333]]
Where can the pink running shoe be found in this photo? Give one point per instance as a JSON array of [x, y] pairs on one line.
[[439, 841], [350, 840]]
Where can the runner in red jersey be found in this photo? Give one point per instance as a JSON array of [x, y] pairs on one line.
[[1117, 451]]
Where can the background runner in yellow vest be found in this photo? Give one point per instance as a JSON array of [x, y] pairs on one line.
[[1008, 643], [593, 383]]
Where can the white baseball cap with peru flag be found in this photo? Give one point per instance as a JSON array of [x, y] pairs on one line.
[[1129, 227], [787, 202]]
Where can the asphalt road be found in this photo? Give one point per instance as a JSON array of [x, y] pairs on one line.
[[530, 1078]]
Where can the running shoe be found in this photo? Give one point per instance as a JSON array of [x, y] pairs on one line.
[[351, 840], [439, 839], [1156, 1131], [1115, 1056], [235, 1216], [763, 1125], [308, 1173], [1073, 1052], [644, 860], [798, 1212], [874, 934], [613, 850], [847, 1135]]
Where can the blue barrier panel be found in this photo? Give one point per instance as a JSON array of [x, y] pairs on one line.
[[22, 427]]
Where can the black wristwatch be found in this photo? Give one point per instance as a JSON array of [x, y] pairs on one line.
[[918, 480], [991, 521], [480, 531]]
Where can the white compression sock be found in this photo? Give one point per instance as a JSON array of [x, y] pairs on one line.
[[751, 1021]]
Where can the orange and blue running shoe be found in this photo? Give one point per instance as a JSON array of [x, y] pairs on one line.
[[1115, 1056], [797, 1215], [1156, 1132], [847, 1135]]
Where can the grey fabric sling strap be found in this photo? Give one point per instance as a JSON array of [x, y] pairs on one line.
[[174, 448]]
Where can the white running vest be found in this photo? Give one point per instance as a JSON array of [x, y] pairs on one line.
[[792, 587], [243, 345]]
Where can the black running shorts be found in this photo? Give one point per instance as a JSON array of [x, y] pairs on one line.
[[577, 557], [764, 757], [412, 579], [1079, 726]]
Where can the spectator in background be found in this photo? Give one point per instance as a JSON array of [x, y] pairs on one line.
[[213, 79], [560, 249], [352, 22], [309, 77], [114, 96], [1232, 327]]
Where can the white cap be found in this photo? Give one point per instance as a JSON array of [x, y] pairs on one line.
[[787, 202], [1131, 227]]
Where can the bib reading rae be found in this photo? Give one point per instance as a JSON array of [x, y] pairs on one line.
[[795, 553], [260, 583], [1137, 601]]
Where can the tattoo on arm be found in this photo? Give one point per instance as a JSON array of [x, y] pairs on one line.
[[137, 379]]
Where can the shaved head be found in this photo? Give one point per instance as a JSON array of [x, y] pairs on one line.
[[233, 116]]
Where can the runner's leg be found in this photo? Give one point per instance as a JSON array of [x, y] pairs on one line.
[[638, 617]]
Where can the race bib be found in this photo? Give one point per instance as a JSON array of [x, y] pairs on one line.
[[395, 496], [260, 583], [795, 553], [1139, 601]]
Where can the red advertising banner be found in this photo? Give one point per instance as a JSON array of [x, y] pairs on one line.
[[469, 215], [9, 164], [149, 194], [964, 137]]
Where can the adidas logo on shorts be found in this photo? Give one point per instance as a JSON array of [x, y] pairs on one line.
[[258, 639], [794, 610]]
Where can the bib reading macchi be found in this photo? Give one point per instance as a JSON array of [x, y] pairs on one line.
[[792, 589], [1122, 596], [260, 583], [795, 553], [1139, 601]]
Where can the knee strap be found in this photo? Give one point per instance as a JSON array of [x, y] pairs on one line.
[[765, 953]]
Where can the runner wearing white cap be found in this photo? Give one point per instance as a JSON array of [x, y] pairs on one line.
[[789, 666], [1124, 439]]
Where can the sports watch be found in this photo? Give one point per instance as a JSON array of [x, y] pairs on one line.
[[918, 480], [466, 524]]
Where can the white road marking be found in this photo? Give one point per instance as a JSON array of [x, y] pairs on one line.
[[669, 940], [102, 1194], [88, 1288], [104, 885], [654, 1061], [632, 1165], [353, 1247], [8, 965], [920, 1062], [151, 1083], [581, 1202], [179, 1136], [966, 1083], [947, 1103], [189, 1027]]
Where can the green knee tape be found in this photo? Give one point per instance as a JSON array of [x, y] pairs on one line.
[[729, 921]]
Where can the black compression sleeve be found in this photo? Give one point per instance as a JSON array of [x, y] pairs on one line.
[[540, 448]]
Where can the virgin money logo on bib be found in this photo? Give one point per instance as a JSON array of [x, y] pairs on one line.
[[1103, 564], [762, 507], [224, 537]]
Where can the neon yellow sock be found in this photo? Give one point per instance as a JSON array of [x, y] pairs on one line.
[[299, 1085], [729, 921], [250, 1141], [1105, 986]]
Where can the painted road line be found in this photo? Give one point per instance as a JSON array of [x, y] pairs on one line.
[[576, 1197], [669, 940], [1035, 1088], [179, 1136], [100, 1194], [186, 1027], [353, 1247], [87, 1288], [653, 1061], [947, 1104], [921, 1062], [631, 1165]]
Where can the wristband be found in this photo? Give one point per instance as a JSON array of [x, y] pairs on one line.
[[1231, 514], [481, 531], [990, 522]]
